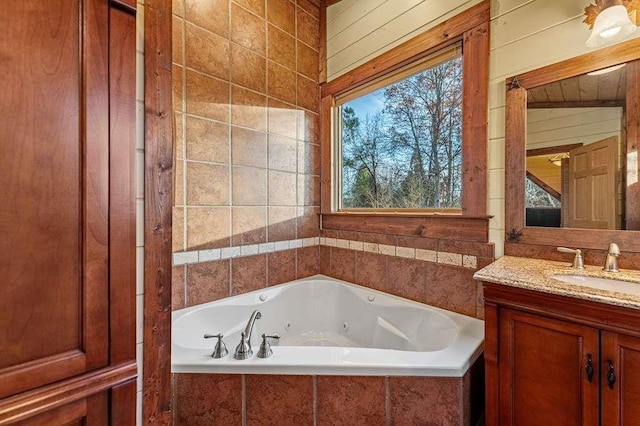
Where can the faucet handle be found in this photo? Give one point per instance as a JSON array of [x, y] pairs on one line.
[[220, 351], [614, 250], [578, 262], [265, 348]]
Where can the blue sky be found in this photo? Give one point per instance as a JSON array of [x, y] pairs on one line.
[[368, 104]]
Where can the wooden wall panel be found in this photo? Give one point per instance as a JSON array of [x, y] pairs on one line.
[[158, 206]]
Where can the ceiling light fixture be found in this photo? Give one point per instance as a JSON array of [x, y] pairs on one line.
[[609, 21]]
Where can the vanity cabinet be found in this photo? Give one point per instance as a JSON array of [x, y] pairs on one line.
[[557, 360]]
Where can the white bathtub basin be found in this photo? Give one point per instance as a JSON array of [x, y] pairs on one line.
[[328, 327]]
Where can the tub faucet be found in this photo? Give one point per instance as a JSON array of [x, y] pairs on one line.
[[243, 350], [611, 261]]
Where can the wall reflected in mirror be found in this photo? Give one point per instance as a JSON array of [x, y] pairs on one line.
[[576, 152]]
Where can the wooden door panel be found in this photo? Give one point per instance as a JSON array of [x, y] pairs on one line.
[[54, 180], [621, 401], [542, 371]]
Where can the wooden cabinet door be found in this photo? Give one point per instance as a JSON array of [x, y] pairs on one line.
[[54, 181], [543, 380], [620, 379]]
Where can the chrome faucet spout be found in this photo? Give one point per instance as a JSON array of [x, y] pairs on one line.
[[611, 261], [243, 350], [255, 315]]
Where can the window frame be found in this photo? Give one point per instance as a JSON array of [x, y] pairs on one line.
[[471, 28]]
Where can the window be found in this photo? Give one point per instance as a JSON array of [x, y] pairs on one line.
[[406, 132], [399, 138]]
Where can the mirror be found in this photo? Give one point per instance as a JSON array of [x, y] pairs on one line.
[[571, 168], [575, 170]]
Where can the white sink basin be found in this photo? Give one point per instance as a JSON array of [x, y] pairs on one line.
[[600, 283]]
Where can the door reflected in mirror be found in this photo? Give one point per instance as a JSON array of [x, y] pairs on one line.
[[576, 152]]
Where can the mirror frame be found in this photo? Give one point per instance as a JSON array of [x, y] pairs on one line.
[[515, 149]]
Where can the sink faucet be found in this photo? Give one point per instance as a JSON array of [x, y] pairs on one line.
[[243, 350], [578, 262], [611, 262]]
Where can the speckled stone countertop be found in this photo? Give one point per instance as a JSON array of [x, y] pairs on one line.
[[535, 274]]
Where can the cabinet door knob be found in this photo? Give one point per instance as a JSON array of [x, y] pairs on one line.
[[589, 368], [611, 375]]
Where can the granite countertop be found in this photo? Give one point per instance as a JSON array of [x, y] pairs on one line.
[[535, 274]]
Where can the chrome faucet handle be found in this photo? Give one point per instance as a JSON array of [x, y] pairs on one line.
[[265, 348], [578, 262], [614, 250], [220, 351], [243, 350]]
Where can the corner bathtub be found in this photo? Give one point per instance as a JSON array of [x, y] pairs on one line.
[[328, 327]]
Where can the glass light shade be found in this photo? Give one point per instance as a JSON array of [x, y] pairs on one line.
[[611, 26]]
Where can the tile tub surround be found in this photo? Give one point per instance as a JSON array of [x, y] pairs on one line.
[[535, 274], [309, 400], [246, 98]]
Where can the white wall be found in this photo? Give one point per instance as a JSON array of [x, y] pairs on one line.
[[525, 35], [548, 127]]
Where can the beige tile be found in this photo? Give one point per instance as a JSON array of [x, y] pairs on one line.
[[176, 39], [256, 6], [208, 227], [248, 109], [207, 184], [282, 188], [249, 186], [308, 61], [308, 190], [249, 148], [177, 229], [281, 13], [248, 225], [178, 184], [281, 83], [308, 158], [207, 140], [248, 69], [282, 153], [212, 15], [308, 29], [247, 29], [309, 126], [281, 47], [177, 82], [177, 7], [282, 223], [282, 118], [310, 8], [178, 136], [308, 94], [207, 96], [207, 52]]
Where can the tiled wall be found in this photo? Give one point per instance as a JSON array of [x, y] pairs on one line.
[[336, 400], [246, 101]]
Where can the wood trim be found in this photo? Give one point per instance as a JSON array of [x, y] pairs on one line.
[[158, 209], [123, 403], [575, 104], [492, 363], [122, 192], [599, 59], [475, 75], [515, 133], [464, 228], [29, 404], [330, 2], [632, 196], [542, 184], [418, 47], [95, 166], [326, 156], [41, 371], [553, 149]]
